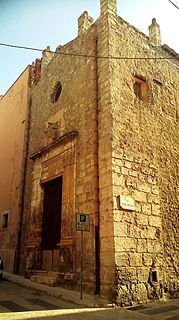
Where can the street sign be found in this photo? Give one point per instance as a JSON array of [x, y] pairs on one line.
[[82, 222]]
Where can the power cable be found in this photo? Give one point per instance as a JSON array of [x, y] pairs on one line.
[[173, 4], [86, 55]]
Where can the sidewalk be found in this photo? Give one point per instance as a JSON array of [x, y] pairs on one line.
[[64, 294], [90, 307]]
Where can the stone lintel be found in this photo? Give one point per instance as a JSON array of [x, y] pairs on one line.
[[60, 140]]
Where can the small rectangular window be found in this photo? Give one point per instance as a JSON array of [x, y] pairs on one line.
[[5, 220], [141, 89], [138, 90], [154, 276]]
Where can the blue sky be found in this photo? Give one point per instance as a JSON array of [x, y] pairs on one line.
[[38, 23]]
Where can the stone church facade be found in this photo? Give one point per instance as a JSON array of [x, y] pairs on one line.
[[103, 142]]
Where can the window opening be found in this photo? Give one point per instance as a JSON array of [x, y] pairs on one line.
[[51, 221], [5, 221], [56, 92], [138, 90], [141, 89], [154, 276]]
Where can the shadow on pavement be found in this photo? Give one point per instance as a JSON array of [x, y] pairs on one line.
[[93, 314]]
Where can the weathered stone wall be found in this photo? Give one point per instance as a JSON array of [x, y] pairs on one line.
[[107, 249], [145, 149], [74, 111], [127, 139]]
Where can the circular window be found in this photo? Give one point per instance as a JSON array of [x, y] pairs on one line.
[[56, 92]]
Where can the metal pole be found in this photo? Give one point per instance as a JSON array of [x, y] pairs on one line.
[[81, 271]]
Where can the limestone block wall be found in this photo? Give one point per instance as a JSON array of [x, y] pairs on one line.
[[145, 148], [137, 230], [74, 111], [125, 114], [107, 249]]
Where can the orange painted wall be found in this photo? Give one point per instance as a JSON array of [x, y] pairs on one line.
[[13, 109]]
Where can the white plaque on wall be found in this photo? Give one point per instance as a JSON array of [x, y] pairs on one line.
[[126, 202]]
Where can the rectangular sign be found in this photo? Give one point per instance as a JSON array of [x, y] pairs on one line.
[[126, 202], [82, 222]]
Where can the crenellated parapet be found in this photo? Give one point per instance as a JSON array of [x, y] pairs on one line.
[[108, 7], [47, 56], [84, 22], [35, 72], [154, 33]]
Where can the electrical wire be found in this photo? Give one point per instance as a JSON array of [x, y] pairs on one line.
[[87, 55], [173, 4]]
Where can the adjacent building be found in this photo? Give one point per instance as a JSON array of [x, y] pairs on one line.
[[13, 140], [15, 109]]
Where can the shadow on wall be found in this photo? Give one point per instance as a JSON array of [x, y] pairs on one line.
[[8, 256]]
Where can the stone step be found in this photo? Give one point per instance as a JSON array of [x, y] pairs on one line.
[[49, 278]]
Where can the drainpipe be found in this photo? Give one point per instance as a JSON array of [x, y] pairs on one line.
[[23, 179], [96, 163]]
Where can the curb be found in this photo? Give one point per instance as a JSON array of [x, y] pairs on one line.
[[58, 292]]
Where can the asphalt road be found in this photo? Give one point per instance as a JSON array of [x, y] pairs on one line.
[[15, 298], [18, 302]]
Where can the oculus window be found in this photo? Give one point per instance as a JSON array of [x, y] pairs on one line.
[[56, 92]]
